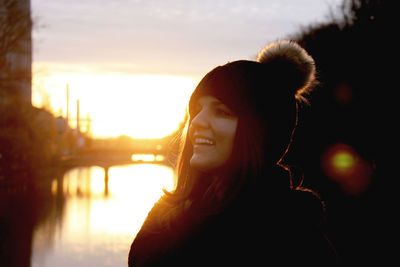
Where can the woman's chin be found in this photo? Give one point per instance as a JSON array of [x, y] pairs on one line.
[[201, 164]]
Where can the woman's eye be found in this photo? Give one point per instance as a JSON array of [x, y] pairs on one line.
[[223, 112]]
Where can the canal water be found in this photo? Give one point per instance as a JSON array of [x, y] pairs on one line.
[[87, 219]]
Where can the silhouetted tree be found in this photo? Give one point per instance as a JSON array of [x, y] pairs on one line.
[[354, 104], [28, 135]]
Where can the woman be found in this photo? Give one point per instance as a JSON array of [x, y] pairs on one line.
[[234, 204]]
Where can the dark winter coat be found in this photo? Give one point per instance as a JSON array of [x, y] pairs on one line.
[[260, 228]]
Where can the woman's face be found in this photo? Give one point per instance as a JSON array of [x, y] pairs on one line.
[[212, 133]]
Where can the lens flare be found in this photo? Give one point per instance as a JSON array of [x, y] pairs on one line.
[[342, 164], [343, 94], [343, 161]]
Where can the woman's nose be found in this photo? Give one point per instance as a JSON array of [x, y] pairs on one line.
[[201, 120]]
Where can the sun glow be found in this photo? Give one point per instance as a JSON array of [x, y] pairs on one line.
[[140, 106]]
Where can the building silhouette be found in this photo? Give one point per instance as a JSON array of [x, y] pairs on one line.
[[16, 55]]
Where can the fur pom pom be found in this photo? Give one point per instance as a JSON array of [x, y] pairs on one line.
[[290, 60]]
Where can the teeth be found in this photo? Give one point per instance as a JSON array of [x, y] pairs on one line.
[[203, 141]]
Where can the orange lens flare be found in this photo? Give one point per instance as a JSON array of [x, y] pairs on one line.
[[342, 164]]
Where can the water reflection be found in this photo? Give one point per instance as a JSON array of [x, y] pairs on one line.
[[99, 217]]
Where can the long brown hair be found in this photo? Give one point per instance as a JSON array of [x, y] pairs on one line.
[[247, 163]]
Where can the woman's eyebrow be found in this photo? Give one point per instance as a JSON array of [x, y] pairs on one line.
[[217, 103]]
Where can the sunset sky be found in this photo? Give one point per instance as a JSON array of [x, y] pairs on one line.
[[133, 64]]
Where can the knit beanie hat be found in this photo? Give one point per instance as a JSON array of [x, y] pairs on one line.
[[264, 90]]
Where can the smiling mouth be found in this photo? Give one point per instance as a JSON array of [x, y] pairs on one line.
[[203, 141]]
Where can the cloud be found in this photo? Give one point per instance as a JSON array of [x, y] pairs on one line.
[[174, 35]]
